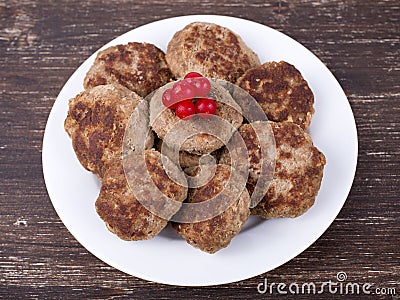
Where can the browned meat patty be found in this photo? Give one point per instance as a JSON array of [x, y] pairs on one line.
[[281, 91], [141, 67], [211, 50], [255, 154], [298, 171], [123, 214], [197, 130], [216, 233], [96, 123]]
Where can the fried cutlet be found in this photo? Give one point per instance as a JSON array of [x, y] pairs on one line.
[[281, 91], [118, 207], [203, 135], [96, 123], [298, 171], [215, 233], [141, 67], [211, 50]]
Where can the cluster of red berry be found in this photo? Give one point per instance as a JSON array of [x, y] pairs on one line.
[[188, 97]]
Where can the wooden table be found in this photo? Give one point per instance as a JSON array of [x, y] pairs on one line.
[[43, 42]]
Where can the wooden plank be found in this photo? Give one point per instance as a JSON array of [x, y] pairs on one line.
[[43, 42]]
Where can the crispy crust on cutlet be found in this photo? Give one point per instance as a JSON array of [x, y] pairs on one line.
[[123, 214], [210, 49], [96, 123], [298, 174], [141, 67], [281, 91], [216, 233], [250, 139]]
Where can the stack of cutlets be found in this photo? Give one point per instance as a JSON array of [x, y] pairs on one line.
[[123, 75], [97, 121]]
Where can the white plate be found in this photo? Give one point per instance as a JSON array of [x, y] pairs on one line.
[[262, 245]]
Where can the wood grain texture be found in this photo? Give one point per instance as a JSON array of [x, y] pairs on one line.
[[43, 42]]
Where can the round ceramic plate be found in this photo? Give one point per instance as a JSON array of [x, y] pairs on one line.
[[262, 245]]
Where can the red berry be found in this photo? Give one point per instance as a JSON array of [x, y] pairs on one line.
[[182, 90], [168, 100], [185, 110], [192, 75], [201, 85], [206, 107]]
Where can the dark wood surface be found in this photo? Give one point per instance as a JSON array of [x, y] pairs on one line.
[[43, 42]]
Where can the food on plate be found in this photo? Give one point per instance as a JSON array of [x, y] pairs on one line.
[[257, 156], [298, 173], [187, 97], [185, 110], [186, 159], [164, 121], [216, 233], [193, 75], [96, 123], [141, 67], [281, 91], [118, 207], [210, 49], [206, 107], [195, 118]]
